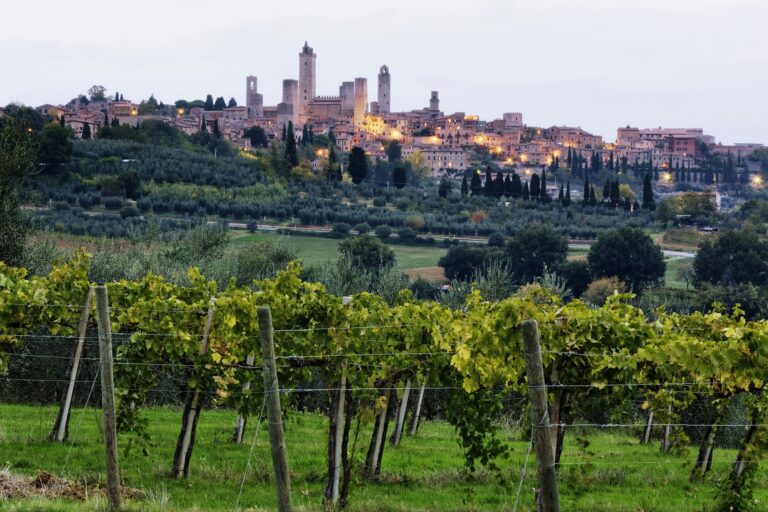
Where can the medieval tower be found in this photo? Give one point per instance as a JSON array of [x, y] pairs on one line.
[[434, 101], [307, 82], [384, 90], [361, 101], [253, 100]]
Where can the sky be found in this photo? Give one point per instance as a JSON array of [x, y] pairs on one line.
[[597, 64]]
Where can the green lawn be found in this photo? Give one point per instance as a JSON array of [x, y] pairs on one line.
[[671, 278], [613, 473], [315, 250]]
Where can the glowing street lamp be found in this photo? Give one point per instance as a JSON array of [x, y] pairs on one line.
[[667, 177], [757, 180]]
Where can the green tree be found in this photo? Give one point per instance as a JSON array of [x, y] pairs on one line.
[[464, 186], [55, 147], [517, 186], [232, 103], [17, 156], [476, 186], [585, 200], [461, 262], [399, 177], [543, 195], [216, 130], [535, 187], [220, 104], [208, 103], [367, 253], [291, 153], [97, 93], [358, 165], [735, 257], [567, 200], [533, 249], [394, 151], [628, 254], [86, 134], [649, 203], [257, 136]]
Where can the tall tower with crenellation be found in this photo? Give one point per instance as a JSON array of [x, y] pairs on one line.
[[307, 80], [361, 101], [384, 90], [434, 101]]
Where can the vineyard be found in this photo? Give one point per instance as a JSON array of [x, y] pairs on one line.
[[264, 352]]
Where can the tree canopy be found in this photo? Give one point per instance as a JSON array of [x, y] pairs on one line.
[[628, 254]]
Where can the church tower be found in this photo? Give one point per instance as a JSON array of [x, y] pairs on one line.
[[384, 90], [307, 82]]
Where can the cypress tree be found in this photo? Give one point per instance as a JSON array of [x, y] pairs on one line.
[[648, 202], [216, 130], [304, 135], [543, 187], [592, 196], [567, 201], [507, 186], [63, 124], [569, 158], [291, 154], [607, 190], [516, 187], [464, 186], [498, 185], [615, 197], [358, 164], [86, 135], [311, 135], [534, 188], [488, 190], [208, 103], [560, 195], [526, 192], [285, 133], [610, 161], [203, 126], [476, 186], [585, 200]]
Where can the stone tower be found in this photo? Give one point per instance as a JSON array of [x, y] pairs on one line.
[[288, 109], [307, 82], [253, 100], [361, 101], [347, 93], [384, 90], [434, 101]]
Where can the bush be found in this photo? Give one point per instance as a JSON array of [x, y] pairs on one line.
[[113, 203], [362, 228], [341, 229], [129, 211], [497, 239], [407, 235], [599, 290], [383, 231]]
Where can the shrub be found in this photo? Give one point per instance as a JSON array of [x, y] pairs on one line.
[[599, 290], [341, 229], [113, 203], [383, 231], [407, 235], [128, 211], [362, 228]]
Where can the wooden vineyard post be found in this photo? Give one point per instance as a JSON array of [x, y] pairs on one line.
[[240, 425], [648, 428], [401, 414], [274, 415], [60, 429], [542, 431], [108, 397], [417, 414]]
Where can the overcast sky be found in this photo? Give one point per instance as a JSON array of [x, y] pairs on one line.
[[598, 64]]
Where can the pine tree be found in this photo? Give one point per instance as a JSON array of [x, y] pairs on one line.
[[220, 104], [86, 135], [232, 103], [567, 201], [291, 154], [464, 187]]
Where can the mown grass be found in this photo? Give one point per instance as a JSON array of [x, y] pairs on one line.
[[315, 250], [614, 473]]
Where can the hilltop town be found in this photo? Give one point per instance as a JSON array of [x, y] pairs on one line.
[[448, 143]]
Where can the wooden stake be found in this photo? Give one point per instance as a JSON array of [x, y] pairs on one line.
[[275, 417], [63, 419], [542, 432], [417, 415], [648, 428], [108, 397], [401, 411]]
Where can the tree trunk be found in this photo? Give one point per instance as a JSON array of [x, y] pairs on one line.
[[346, 462], [377, 439], [665, 442], [417, 414], [741, 459], [186, 440], [336, 448], [648, 428], [705, 453]]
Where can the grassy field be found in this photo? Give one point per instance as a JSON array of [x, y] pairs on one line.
[[613, 473], [316, 250]]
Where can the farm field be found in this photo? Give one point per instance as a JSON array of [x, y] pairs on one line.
[[317, 250], [614, 473]]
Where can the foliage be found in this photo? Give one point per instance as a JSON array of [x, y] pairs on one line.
[[628, 254], [735, 257], [601, 289], [533, 249]]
